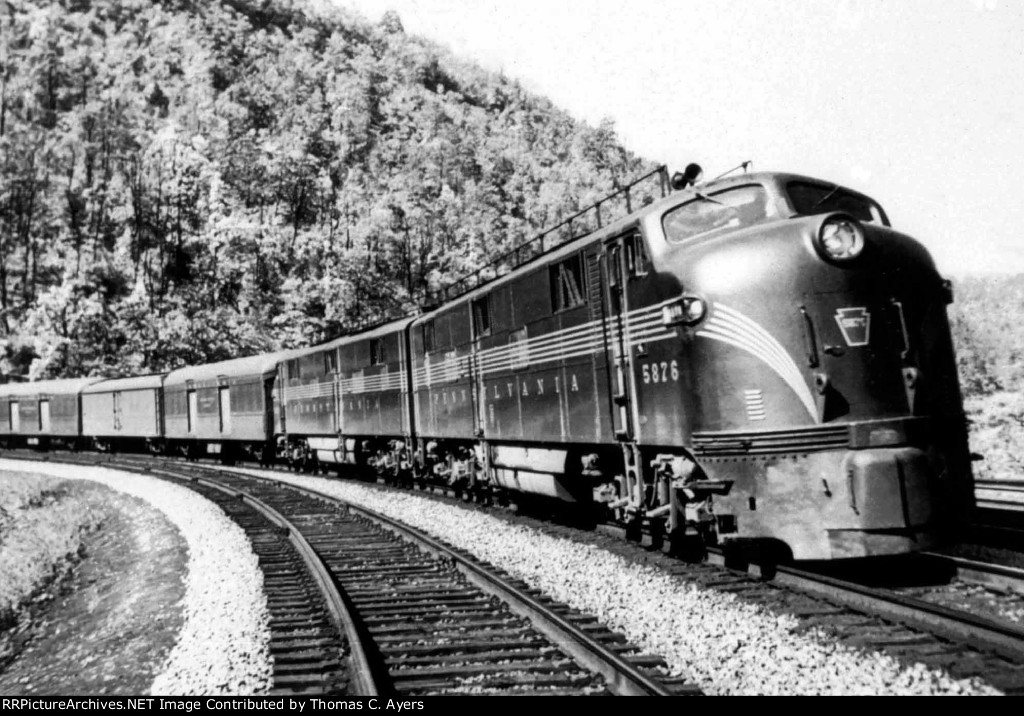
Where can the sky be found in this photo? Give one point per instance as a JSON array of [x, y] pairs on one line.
[[917, 103]]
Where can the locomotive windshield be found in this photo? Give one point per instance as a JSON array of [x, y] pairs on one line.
[[809, 199], [730, 209]]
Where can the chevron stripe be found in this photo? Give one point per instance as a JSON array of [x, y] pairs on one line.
[[732, 327]]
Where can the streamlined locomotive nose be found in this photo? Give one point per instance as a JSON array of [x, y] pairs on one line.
[[824, 387]]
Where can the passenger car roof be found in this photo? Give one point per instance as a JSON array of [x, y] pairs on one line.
[[263, 364], [383, 330], [140, 382], [62, 386]]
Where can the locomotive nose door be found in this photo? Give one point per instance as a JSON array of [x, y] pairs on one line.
[[616, 341]]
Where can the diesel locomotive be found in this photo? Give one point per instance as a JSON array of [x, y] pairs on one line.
[[756, 359]]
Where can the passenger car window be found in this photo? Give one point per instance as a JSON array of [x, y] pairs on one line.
[[730, 209]]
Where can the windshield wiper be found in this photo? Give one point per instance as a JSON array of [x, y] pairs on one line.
[[705, 197], [825, 198]]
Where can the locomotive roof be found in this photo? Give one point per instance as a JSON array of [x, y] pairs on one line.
[[141, 382], [60, 386], [263, 364], [776, 180], [382, 330]]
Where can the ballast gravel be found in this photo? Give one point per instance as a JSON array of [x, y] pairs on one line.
[[722, 644], [223, 647]]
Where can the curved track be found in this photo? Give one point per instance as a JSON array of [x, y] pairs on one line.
[[436, 621], [409, 609], [308, 611], [418, 616]]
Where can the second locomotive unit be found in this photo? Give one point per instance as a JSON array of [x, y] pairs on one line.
[[760, 358]]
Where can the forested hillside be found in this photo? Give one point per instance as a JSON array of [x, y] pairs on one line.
[[187, 180]]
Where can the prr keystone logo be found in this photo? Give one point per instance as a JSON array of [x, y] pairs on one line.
[[855, 323]]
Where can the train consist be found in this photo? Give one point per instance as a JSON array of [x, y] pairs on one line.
[[760, 358]]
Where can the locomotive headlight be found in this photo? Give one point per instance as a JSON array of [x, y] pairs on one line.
[[840, 238], [685, 310]]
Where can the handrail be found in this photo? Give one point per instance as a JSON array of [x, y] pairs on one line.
[[539, 245]]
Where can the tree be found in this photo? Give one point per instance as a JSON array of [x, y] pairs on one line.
[[187, 181]]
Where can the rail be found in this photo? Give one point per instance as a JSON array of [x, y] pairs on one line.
[[623, 678], [953, 624], [995, 576], [362, 673]]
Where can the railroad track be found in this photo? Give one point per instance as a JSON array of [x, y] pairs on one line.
[[891, 619], [311, 637], [1009, 580], [854, 612], [905, 607], [906, 621], [313, 641], [436, 621], [418, 617]]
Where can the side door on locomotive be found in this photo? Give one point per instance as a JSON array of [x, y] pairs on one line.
[[618, 263], [621, 262], [648, 379]]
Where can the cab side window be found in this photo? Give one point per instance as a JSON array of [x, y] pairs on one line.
[[636, 256]]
